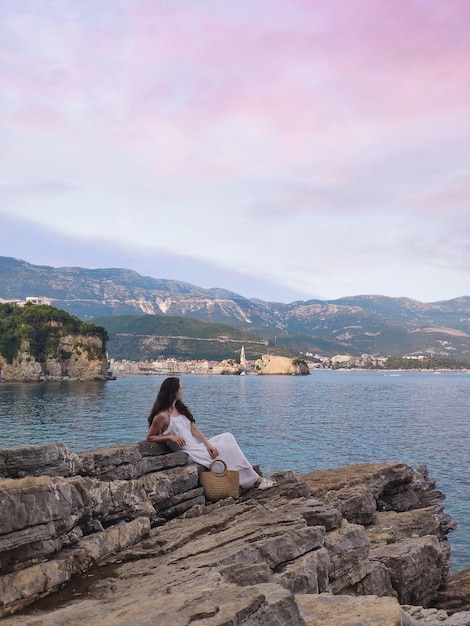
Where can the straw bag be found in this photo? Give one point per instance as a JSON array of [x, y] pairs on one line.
[[219, 482]]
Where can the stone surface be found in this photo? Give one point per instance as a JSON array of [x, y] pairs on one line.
[[391, 527], [280, 365], [359, 492], [51, 459], [328, 610], [20, 588], [455, 595], [133, 534], [436, 617], [348, 548], [416, 567], [32, 501], [87, 361]]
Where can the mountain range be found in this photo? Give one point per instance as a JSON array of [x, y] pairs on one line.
[[371, 324]]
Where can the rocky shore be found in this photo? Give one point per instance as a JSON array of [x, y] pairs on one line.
[[77, 358], [123, 535]]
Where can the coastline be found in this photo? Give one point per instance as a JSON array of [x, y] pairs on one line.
[[372, 537], [349, 418]]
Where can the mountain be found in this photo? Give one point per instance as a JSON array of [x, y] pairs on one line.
[[354, 325]]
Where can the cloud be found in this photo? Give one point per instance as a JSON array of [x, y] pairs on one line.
[[316, 146], [42, 245], [43, 187]]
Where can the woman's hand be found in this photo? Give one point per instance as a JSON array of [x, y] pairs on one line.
[[213, 452], [177, 439]]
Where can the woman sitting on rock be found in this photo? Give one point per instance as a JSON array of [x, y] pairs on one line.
[[172, 422]]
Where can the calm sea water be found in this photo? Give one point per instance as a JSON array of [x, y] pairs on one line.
[[300, 423]]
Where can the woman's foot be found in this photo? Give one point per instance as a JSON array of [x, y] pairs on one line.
[[265, 483]]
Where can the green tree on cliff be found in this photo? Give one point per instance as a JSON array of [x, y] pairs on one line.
[[41, 326]]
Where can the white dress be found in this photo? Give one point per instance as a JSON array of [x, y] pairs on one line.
[[226, 444]]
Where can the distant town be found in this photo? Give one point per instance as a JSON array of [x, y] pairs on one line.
[[175, 367]]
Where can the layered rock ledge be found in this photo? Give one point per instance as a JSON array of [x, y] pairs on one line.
[[123, 535]]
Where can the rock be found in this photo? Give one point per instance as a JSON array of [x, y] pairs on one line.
[[19, 588], [317, 514], [272, 557], [405, 524], [457, 619], [360, 491], [41, 515], [32, 501], [391, 527], [348, 548], [52, 459], [416, 566], [377, 583], [455, 594], [307, 574], [328, 610], [436, 617], [270, 364], [76, 357]]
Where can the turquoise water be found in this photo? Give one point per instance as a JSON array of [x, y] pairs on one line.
[[301, 423]]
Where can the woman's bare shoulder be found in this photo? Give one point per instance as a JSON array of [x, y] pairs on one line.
[[162, 416]]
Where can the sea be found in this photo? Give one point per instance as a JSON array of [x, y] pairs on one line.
[[298, 423]]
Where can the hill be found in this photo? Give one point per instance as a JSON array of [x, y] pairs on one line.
[[141, 338], [354, 325], [45, 343]]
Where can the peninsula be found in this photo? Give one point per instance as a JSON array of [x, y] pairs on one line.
[[39, 342]]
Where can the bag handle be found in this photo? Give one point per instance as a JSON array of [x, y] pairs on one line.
[[218, 473]]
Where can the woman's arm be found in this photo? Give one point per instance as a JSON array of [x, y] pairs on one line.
[[210, 448], [160, 422]]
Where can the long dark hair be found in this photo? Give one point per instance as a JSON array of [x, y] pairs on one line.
[[165, 398]]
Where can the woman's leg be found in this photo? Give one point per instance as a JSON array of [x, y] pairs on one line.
[[231, 453]]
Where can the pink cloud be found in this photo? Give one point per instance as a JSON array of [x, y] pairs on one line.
[[292, 83], [211, 61], [39, 117], [359, 61], [454, 199]]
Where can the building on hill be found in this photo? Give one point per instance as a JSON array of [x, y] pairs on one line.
[[28, 300]]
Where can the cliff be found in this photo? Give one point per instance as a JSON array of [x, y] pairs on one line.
[[39, 342], [78, 358], [129, 529], [270, 364]]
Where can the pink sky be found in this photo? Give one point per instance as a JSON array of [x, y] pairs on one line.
[[299, 149]]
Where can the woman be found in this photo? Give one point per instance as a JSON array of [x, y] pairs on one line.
[[171, 421]]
